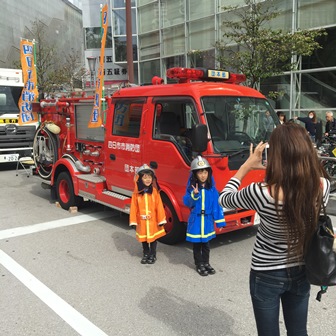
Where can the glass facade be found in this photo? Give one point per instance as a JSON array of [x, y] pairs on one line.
[[184, 32]]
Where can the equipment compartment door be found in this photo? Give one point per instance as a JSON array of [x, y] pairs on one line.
[[123, 144]]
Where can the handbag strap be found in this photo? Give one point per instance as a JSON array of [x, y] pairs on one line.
[[323, 289], [325, 216], [323, 206]]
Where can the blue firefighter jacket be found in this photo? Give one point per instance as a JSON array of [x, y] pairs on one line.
[[204, 211]]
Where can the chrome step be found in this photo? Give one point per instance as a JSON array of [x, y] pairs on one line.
[[115, 195], [91, 178]]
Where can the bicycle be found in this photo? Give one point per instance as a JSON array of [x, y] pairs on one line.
[[327, 155]]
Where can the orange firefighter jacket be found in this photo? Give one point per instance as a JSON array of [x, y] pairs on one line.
[[148, 214]]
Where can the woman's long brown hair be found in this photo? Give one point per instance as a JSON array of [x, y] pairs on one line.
[[293, 167]]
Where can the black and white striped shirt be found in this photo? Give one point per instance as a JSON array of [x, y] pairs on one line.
[[270, 248]]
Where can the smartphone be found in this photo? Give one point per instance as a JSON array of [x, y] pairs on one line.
[[266, 148]]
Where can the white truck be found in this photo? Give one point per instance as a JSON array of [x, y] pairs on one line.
[[15, 140]]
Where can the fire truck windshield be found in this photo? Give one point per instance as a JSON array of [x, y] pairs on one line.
[[236, 122]]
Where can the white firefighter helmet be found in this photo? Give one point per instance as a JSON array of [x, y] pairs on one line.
[[145, 168], [199, 163]]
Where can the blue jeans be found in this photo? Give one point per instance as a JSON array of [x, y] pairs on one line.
[[268, 288]]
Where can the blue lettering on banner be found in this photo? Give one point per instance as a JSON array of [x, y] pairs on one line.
[[27, 49], [29, 61], [95, 115], [28, 96], [27, 117], [30, 85]]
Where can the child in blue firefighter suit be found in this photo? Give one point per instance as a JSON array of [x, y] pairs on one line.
[[202, 199]]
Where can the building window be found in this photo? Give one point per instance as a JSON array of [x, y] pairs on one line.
[[203, 59], [148, 18], [149, 70], [121, 49], [93, 38], [199, 9], [201, 33], [172, 12], [119, 21], [149, 46], [173, 40], [122, 3]]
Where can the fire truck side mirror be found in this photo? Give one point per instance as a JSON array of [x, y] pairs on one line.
[[199, 138]]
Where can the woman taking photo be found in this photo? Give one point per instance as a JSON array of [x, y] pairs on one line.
[[288, 203]]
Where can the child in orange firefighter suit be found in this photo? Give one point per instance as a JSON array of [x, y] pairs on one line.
[[202, 199], [147, 214]]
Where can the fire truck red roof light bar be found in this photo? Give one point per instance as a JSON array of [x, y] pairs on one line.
[[185, 75]]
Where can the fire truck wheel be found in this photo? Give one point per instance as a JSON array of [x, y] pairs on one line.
[[65, 192], [176, 231]]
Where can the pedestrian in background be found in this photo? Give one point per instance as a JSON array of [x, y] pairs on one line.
[[147, 213], [282, 117], [310, 123], [268, 125], [288, 203], [330, 124], [202, 199]]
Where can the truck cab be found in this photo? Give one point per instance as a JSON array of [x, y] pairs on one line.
[[206, 112], [15, 140]]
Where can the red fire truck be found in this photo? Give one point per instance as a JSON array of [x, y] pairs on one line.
[[204, 112]]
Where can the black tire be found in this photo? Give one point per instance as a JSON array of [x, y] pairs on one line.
[[65, 192], [45, 152], [176, 231]]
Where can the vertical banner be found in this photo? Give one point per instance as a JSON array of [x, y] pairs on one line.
[[96, 118], [29, 92]]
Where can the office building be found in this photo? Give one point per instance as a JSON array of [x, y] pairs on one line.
[[61, 19]]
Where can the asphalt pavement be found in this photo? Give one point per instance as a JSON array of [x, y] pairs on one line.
[[65, 274]]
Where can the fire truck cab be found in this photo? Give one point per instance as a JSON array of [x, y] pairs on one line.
[[205, 112]]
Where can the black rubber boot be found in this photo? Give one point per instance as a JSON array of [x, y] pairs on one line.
[[210, 269], [144, 259], [201, 270], [151, 259]]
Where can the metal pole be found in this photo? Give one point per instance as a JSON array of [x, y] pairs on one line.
[[129, 42]]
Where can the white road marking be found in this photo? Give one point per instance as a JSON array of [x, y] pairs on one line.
[[76, 320], [24, 230]]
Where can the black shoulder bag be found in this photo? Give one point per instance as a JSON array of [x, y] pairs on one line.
[[320, 258]]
